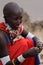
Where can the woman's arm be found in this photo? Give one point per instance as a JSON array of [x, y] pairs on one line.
[[36, 40]]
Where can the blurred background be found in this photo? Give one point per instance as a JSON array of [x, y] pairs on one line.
[[32, 16]]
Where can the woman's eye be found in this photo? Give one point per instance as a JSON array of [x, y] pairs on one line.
[[16, 18]]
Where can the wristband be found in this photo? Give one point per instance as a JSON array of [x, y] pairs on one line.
[[5, 59], [21, 58], [30, 35]]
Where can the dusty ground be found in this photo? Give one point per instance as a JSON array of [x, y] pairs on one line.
[[36, 28]]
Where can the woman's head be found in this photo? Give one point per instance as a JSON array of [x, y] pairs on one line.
[[12, 14]]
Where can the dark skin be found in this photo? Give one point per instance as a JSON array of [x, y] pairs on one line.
[[3, 46], [3, 49], [13, 17], [14, 25]]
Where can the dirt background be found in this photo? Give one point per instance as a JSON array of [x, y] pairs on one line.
[[35, 27]]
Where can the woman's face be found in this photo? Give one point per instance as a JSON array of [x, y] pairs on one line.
[[14, 22]]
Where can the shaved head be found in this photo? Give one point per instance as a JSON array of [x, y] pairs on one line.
[[11, 9], [12, 14]]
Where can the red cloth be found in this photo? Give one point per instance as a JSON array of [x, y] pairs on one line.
[[19, 47]]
